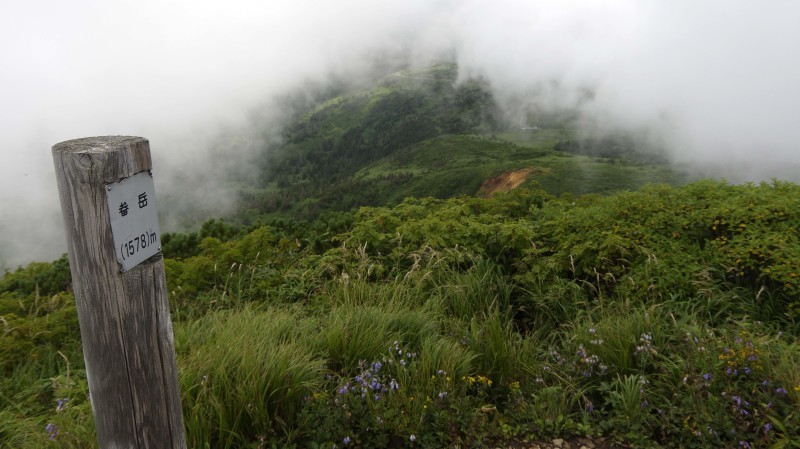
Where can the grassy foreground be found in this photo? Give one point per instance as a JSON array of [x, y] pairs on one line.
[[665, 317]]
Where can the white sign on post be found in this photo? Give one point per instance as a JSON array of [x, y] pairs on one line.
[[134, 221]]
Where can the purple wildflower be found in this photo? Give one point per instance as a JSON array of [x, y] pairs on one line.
[[52, 429]]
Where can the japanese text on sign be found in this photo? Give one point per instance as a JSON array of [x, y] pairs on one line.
[[134, 221]]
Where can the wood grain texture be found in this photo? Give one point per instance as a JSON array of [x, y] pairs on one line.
[[124, 318]]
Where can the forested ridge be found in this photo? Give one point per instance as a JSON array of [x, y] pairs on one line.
[[418, 133]]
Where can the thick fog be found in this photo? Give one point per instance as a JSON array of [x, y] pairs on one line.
[[712, 81]]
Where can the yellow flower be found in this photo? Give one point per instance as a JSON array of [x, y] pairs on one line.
[[485, 380]]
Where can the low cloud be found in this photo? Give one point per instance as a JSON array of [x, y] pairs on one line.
[[714, 80]]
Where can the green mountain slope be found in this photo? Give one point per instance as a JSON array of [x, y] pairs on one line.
[[421, 133]]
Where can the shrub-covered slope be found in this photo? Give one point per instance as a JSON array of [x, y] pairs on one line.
[[664, 317]]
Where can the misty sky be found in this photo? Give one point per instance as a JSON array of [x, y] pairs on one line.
[[716, 81]]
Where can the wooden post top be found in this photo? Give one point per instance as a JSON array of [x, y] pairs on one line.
[[104, 159], [97, 144]]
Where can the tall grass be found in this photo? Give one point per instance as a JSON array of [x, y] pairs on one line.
[[52, 410], [244, 375], [501, 351], [472, 292], [351, 334]]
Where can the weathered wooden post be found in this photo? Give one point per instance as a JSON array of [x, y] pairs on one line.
[[108, 203]]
